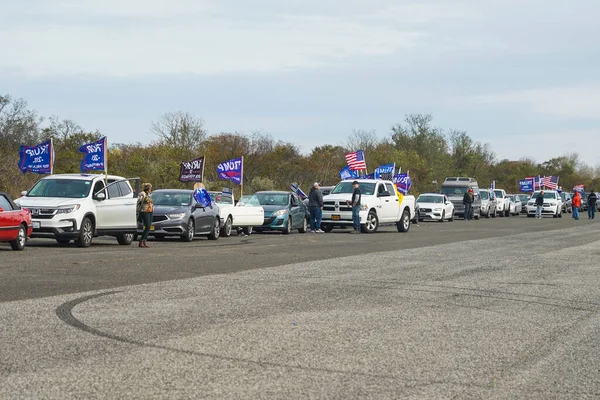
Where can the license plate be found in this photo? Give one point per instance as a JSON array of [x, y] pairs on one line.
[[152, 227], [335, 217], [36, 225]]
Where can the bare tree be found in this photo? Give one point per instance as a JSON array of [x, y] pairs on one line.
[[180, 130], [362, 140]]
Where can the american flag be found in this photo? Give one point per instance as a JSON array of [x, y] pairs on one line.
[[536, 181], [579, 188], [551, 182], [356, 160]]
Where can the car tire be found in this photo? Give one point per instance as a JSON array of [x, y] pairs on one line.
[[288, 228], [63, 242], [248, 231], [326, 228], [372, 223], [125, 239], [216, 229], [507, 213], [19, 243], [404, 224], [226, 230], [451, 217], [443, 216], [191, 231], [304, 227], [86, 233], [494, 214]]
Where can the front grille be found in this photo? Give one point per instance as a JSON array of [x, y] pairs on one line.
[[425, 209], [159, 218], [43, 216], [328, 208], [269, 221], [329, 203]]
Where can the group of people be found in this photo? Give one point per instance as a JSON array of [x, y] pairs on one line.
[[315, 208], [592, 199]]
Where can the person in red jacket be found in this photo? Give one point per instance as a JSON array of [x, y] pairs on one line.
[[576, 205]]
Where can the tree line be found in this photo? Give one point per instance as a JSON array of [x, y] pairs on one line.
[[415, 144]]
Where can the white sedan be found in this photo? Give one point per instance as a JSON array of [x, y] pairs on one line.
[[435, 207]]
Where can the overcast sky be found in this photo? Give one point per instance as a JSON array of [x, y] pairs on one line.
[[521, 75]]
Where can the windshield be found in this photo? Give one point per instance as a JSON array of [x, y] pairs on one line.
[[346, 187], [454, 191], [430, 199], [173, 199], [523, 197], [484, 195], [248, 201], [498, 193], [69, 188], [272, 199], [511, 197], [547, 195], [221, 198]]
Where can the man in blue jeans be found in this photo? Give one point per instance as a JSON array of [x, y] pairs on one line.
[[355, 203], [592, 199], [315, 208]]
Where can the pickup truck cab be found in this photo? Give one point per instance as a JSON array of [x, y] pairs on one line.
[[81, 206], [502, 202], [380, 205]]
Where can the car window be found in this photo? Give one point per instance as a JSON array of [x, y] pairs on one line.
[[69, 188], [273, 199], [390, 188], [295, 200], [5, 204], [125, 189], [366, 188], [454, 191], [113, 191], [98, 186], [173, 199]]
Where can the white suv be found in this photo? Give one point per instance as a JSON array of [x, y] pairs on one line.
[[502, 202], [552, 204], [79, 206]]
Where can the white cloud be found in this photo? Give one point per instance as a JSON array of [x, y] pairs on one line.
[[570, 102]]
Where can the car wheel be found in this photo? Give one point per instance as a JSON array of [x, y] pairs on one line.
[[372, 223], [191, 231], [494, 214], [404, 224], [216, 229], [304, 226], [86, 233], [443, 216], [451, 217], [125, 239], [63, 242], [19, 243], [248, 231], [288, 228], [226, 230], [326, 228], [507, 213]]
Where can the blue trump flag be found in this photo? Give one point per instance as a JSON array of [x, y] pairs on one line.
[[94, 156], [296, 189], [232, 170], [346, 173], [37, 159], [374, 175], [385, 171], [526, 185], [403, 183], [202, 197]]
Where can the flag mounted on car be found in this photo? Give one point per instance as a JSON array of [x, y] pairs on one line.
[[94, 158], [526, 185], [232, 170], [579, 188], [38, 159], [296, 189], [356, 160], [346, 173], [385, 171], [550, 182]]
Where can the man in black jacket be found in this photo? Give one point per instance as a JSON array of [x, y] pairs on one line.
[[355, 204], [539, 204], [468, 203], [592, 199], [315, 208]]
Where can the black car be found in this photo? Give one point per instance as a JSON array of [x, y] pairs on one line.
[[176, 213]]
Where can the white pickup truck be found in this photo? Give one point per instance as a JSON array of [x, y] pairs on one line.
[[81, 206], [379, 206], [245, 215]]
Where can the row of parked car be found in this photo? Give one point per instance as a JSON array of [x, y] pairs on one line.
[[79, 207]]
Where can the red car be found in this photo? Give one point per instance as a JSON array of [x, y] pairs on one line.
[[15, 223]]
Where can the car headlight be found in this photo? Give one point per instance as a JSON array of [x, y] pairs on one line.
[[68, 209], [279, 213], [438, 209], [176, 215]]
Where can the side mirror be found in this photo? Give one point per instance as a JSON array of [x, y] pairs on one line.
[[24, 193], [100, 197], [1, 209], [198, 205]]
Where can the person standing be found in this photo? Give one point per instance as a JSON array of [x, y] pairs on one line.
[[355, 203], [539, 204], [592, 199], [315, 208], [468, 203], [146, 208], [576, 205]]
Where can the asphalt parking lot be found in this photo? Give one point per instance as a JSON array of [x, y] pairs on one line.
[[504, 308]]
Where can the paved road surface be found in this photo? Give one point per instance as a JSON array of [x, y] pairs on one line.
[[506, 309]]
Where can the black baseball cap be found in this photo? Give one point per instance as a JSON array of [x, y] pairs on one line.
[[355, 183]]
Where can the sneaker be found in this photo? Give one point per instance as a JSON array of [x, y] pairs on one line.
[[354, 232], [320, 231], [313, 231]]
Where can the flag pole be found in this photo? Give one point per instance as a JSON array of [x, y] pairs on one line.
[[51, 156], [242, 180], [105, 160]]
